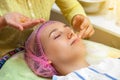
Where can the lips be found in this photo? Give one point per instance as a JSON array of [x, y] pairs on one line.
[[74, 41]]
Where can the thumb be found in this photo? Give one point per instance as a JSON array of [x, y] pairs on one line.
[[15, 25]]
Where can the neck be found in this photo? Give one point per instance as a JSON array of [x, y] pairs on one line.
[[72, 66]]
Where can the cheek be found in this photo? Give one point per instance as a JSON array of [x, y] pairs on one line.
[[61, 51], [58, 45], [58, 50], [79, 49]]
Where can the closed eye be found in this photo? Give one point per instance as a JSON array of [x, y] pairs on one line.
[[57, 36]]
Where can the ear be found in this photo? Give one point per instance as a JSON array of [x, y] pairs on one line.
[[49, 61]]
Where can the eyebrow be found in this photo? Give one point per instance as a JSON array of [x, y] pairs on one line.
[[56, 29]]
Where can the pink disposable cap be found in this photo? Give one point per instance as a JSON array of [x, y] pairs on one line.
[[35, 56]]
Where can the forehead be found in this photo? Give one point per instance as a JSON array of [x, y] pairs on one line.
[[52, 26], [48, 28]]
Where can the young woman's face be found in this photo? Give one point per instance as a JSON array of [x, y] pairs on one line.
[[61, 44]]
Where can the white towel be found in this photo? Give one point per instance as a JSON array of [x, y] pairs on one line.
[[108, 69]]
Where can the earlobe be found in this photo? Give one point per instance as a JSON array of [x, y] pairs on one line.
[[49, 62]]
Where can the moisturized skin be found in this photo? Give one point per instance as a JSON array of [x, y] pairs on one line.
[[64, 49]]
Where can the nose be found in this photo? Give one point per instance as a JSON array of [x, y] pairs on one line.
[[69, 33]]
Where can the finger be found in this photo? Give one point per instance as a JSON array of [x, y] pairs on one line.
[[88, 31], [91, 33], [78, 20], [81, 33], [16, 25], [42, 20], [30, 24], [36, 21], [85, 24]]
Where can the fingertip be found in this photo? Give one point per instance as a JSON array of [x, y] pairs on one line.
[[42, 20], [20, 28]]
